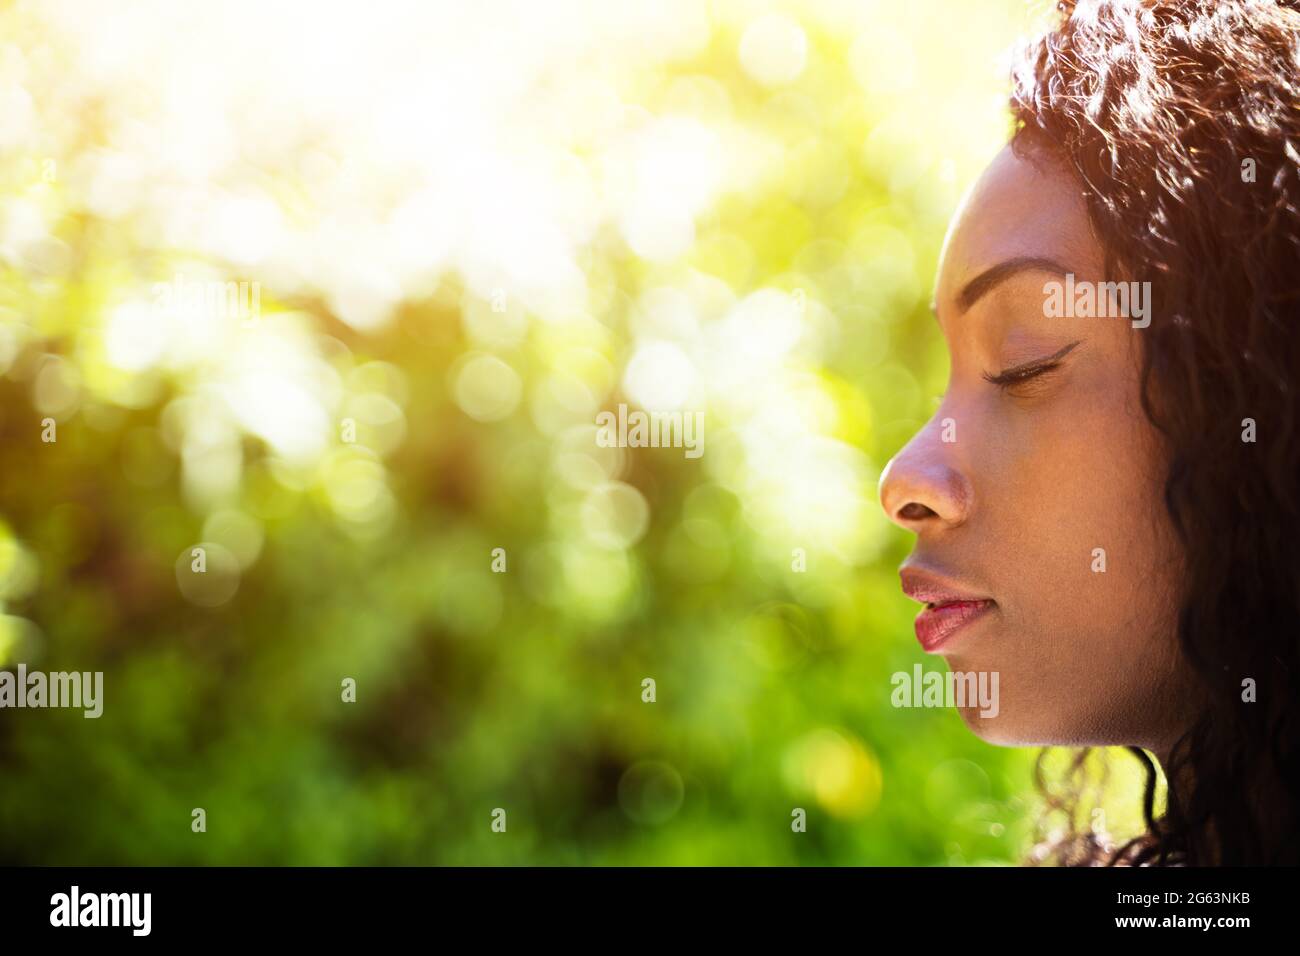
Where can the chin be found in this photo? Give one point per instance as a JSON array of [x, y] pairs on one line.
[[1008, 730], [994, 730]]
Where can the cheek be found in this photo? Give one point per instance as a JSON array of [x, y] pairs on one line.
[[1071, 516], [1069, 490]]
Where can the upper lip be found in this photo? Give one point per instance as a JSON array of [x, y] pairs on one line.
[[930, 587]]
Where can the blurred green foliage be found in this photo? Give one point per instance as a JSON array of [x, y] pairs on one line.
[[799, 301]]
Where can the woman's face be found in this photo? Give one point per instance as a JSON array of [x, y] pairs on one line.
[[1043, 549]]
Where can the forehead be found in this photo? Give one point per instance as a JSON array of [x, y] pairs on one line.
[[1018, 207]]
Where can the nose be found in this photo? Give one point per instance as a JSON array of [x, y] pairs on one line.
[[925, 486]]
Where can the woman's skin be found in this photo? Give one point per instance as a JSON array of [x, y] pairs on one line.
[[1041, 472]]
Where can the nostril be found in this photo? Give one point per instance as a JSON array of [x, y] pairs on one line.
[[915, 511]]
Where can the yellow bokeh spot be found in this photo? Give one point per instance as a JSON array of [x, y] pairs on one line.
[[838, 770]]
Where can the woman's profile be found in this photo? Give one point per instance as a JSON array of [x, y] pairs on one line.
[[1107, 502]]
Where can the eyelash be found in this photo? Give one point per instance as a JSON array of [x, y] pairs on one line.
[[1018, 376]]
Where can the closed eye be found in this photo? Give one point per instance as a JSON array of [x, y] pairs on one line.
[[1018, 374]]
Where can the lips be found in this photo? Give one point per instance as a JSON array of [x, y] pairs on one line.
[[949, 608]]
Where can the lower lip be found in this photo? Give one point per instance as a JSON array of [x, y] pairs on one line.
[[936, 626]]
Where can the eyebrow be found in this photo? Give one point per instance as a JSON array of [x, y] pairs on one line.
[[995, 275]]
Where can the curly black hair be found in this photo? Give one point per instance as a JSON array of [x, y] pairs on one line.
[[1181, 122]]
